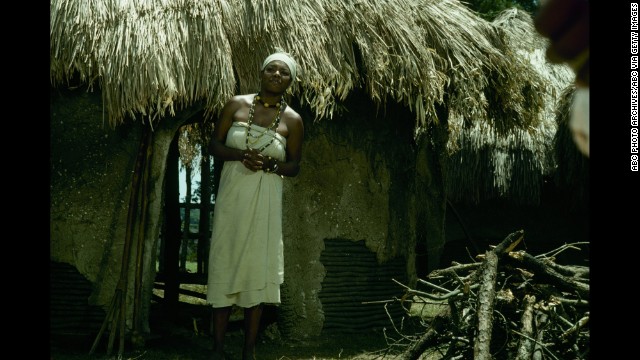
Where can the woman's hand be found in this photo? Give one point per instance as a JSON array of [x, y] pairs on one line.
[[253, 160]]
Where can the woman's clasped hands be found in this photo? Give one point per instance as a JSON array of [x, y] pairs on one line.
[[253, 160]]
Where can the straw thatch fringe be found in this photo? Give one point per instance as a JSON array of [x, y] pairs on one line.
[[149, 57], [515, 137]]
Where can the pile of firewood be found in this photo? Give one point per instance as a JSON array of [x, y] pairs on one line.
[[507, 305]]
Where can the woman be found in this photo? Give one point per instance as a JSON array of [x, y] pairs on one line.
[[259, 138]]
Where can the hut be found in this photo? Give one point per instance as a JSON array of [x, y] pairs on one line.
[[409, 105]]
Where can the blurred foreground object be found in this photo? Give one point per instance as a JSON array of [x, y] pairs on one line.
[[566, 24]]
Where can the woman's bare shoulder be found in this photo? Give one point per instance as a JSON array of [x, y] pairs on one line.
[[237, 102], [243, 99], [292, 115]]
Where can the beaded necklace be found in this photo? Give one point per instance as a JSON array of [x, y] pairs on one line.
[[274, 124], [266, 104]]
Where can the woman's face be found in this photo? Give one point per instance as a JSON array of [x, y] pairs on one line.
[[276, 77]]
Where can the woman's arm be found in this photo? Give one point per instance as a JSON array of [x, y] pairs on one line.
[[217, 145], [291, 166]]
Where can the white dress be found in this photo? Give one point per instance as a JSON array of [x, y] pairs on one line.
[[246, 265]]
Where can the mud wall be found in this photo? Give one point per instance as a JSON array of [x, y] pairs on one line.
[[90, 181], [356, 184], [91, 168]]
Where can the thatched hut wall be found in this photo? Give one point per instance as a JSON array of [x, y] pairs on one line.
[[92, 167], [356, 185]]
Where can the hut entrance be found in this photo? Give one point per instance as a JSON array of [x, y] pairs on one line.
[[183, 247]]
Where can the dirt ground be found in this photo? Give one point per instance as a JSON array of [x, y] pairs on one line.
[[190, 339], [353, 346]]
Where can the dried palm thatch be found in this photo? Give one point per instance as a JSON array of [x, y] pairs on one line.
[[515, 138], [147, 56], [151, 57]]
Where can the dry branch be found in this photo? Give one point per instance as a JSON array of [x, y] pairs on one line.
[[526, 345], [538, 318], [454, 269], [417, 348], [508, 244], [574, 271], [538, 266], [486, 297], [579, 325]]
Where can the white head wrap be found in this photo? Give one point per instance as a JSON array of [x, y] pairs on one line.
[[284, 57]]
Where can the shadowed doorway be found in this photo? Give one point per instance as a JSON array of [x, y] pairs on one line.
[[179, 292]]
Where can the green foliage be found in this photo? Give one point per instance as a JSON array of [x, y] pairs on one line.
[[197, 193], [194, 215], [196, 188]]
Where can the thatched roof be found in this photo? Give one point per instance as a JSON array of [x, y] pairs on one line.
[[517, 144], [152, 57]]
